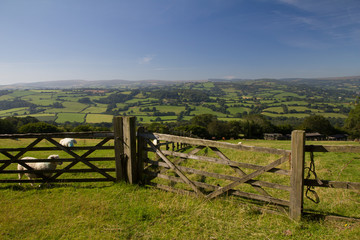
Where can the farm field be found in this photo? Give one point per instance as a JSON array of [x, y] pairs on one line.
[[122, 211], [225, 99]]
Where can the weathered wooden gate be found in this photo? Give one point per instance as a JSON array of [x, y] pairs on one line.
[[82, 163], [71, 156], [173, 166]]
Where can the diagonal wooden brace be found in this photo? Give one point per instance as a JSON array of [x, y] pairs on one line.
[[13, 159], [259, 189], [79, 159], [173, 167], [247, 177]]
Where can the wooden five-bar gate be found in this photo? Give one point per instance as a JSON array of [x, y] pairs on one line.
[[179, 164]]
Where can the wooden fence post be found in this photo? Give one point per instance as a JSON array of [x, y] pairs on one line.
[[119, 149], [129, 129], [141, 153], [297, 174]]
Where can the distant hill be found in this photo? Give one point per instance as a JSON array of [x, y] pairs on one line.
[[352, 82], [69, 84]]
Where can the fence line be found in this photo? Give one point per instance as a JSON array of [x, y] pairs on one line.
[[132, 164]]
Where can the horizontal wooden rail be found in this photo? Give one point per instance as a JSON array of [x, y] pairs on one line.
[[210, 143], [95, 159], [55, 148], [57, 171], [224, 162], [60, 135], [253, 196], [222, 176], [58, 180]]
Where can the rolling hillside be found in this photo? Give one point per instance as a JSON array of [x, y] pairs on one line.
[[98, 101]]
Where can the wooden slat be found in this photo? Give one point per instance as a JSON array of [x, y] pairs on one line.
[[56, 180], [210, 143], [253, 196], [14, 159], [258, 188], [37, 149], [60, 135], [175, 168], [78, 159], [225, 162], [56, 171], [141, 153], [332, 184], [94, 159], [222, 176], [246, 178]]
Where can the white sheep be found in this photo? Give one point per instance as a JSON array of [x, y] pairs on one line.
[[68, 142], [38, 166]]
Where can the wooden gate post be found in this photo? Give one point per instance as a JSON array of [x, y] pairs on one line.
[[129, 130], [141, 153], [297, 174], [119, 149]]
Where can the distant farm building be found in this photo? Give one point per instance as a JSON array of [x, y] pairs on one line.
[[315, 136], [275, 136], [338, 137]]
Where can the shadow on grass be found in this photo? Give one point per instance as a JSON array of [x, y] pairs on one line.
[[324, 216]]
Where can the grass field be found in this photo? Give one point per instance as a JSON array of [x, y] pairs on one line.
[[96, 118], [252, 96], [122, 211], [44, 116], [71, 117], [19, 111]]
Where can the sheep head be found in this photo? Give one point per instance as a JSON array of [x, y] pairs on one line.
[[55, 156]]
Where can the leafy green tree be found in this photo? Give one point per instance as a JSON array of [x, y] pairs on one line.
[[218, 129], [352, 123], [284, 128], [57, 105], [85, 100], [83, 128], [203, 119], [7, 127], [317, 123], [234, 128], [38, 127], [192, 129], [255, 125], [20, 121], [157, 127]]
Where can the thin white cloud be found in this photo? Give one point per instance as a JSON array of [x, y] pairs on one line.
[[229, 77], [146, 59], [292, 2], [337, 19]]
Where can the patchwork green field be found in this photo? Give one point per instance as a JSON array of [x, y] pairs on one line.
[[225, 99]]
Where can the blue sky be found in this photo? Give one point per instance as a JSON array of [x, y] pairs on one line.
[[45, 40]]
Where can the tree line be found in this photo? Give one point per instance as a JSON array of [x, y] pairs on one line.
[[255, 126], [203, 126]]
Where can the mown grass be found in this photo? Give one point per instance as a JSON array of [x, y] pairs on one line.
[[122, 211], [71, 117], [95, 118]]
